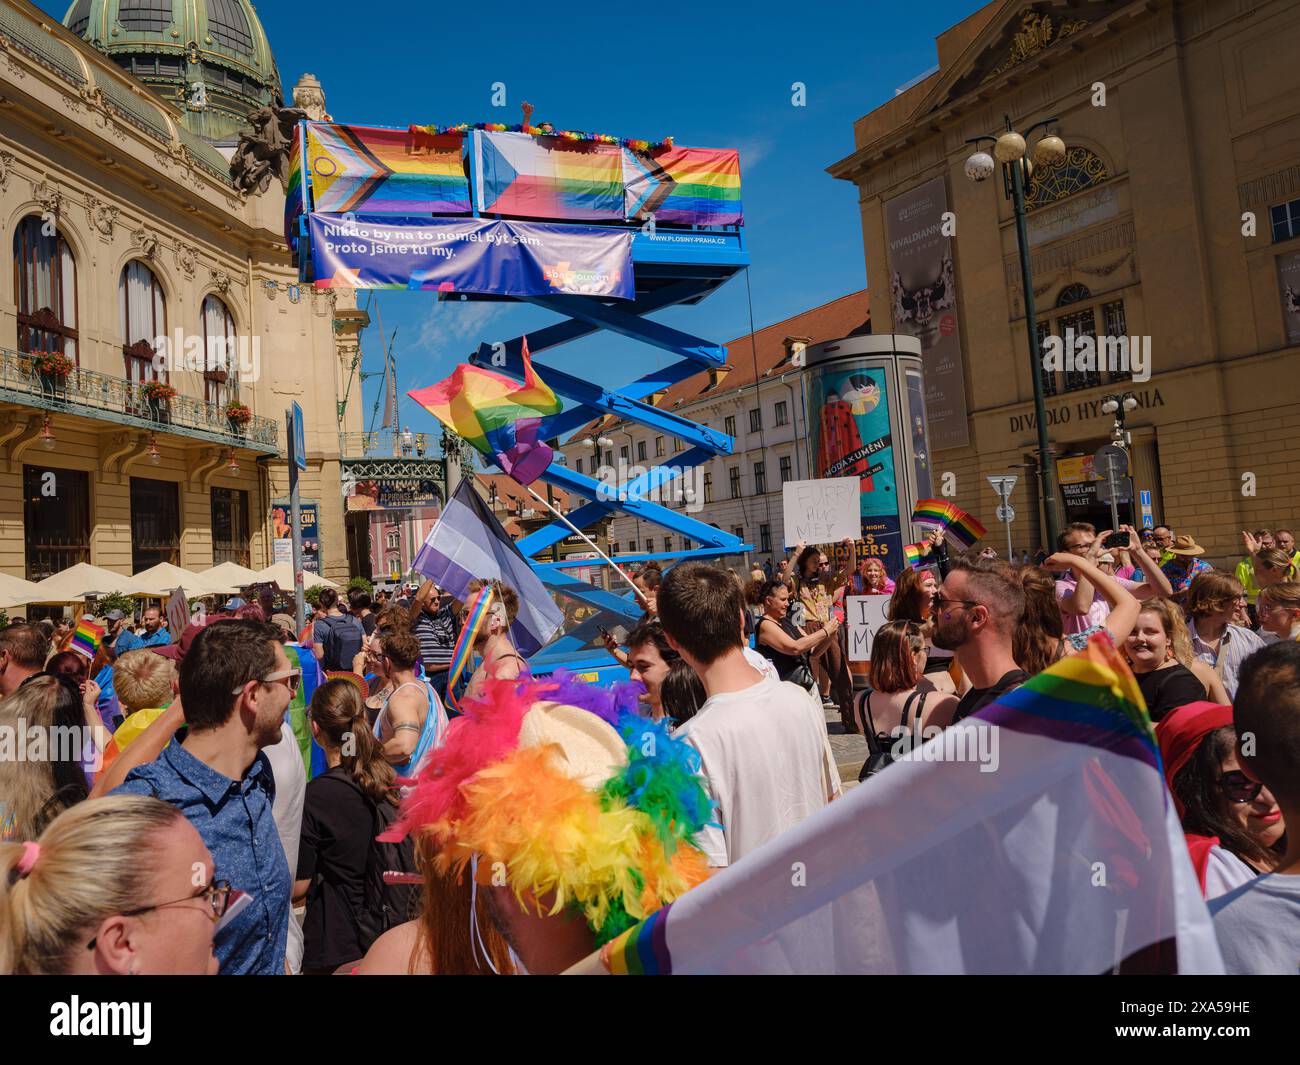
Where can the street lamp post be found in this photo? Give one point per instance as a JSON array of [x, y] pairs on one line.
[[1121, 406], [1009, 149]]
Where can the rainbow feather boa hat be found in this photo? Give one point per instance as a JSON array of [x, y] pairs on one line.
[[577, 796]]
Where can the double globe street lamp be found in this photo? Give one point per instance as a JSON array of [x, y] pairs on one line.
[[1010, 149]]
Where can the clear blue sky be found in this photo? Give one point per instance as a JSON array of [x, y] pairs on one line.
[[716, 75]]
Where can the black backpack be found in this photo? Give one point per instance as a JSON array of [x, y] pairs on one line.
[[880, 747], [383, 906], [342, 643]]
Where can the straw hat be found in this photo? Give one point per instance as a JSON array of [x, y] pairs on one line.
[[1186, 545], [587, 749]]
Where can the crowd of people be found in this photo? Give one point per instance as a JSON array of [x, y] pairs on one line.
[[338, 799]]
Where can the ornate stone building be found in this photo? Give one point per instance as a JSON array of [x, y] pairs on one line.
[[1175, 217], [124, 227]]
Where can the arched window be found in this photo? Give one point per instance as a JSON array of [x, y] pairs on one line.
[[221, 369], [143, 319], [45, 284], [1073, 294], [1080, 170]]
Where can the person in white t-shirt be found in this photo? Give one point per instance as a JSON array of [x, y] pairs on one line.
[[762, 742]]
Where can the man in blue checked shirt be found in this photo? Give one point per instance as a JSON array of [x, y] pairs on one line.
[[235, 685]]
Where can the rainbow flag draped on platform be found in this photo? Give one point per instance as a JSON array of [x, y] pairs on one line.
[[1054, 794], [496, 414], [684, 186], [385, 171]]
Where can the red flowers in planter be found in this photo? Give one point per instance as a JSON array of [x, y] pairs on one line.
[[238, 413], [52, 363], [158, 390]]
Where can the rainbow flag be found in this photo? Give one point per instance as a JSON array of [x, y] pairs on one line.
[[496, 414], [932, 512], [641, 950], [686, 186], [914, 553], [87, 638], [523, 176], [384, 171], [464, 651], [960, 528], [1052, 787], [964, 528]]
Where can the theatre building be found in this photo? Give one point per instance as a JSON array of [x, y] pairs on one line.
[[1173, 220], [124, 229]]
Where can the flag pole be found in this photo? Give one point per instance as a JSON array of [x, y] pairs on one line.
[[585, 538]]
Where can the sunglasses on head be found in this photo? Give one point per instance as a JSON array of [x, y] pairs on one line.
[[1238, 787]]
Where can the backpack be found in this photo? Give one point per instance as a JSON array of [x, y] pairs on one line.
[[880, 747], [343, 641], [383, 906]]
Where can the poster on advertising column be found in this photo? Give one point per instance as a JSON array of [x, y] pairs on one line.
[[852, 438], [923, 292], [282, 534]]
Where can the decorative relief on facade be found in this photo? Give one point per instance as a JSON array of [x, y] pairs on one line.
[[145, 241], [1037, 33], [102, 216], [186, 256], [221, 280], [1081, 169], [47, 195], [6, 169]]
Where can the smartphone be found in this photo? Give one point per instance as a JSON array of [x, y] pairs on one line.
[[1116, 539]]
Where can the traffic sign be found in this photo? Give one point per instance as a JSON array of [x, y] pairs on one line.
[[1099, 461], [299, 440], [1006, 513], [1123, 491], [1003, 483]]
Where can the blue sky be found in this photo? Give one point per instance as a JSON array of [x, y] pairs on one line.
[[716, 75]]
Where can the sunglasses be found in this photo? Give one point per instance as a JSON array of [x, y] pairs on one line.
[[291, 677], [217, 894], [938, 601], [1238, 787]]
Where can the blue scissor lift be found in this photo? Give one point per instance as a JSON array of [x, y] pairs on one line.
[[673, 266]]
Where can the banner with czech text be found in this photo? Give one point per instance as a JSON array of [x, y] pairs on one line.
[[478, 255]]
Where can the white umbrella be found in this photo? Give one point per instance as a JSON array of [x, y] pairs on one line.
[[164, 578], [76, 582], [229, 576], [282, 574], [14, 591]]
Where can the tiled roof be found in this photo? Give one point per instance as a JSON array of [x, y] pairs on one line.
[[847, 316], [511, 496]]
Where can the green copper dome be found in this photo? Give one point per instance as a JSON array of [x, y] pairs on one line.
[[210, 57]]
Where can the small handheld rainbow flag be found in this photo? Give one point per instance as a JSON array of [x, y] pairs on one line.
[[964, 528], [914, 553], [931, 512], [498, 416], [465, 645], [960, 528], [87, 638]]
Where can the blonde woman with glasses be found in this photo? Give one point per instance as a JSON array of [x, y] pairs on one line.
[[1279, 612], [115, 886]]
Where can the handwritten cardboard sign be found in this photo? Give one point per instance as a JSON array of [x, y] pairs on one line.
[[863, 615], [822, 511]]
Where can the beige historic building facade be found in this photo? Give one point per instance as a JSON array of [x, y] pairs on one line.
[[1175, 217], [123, 226]]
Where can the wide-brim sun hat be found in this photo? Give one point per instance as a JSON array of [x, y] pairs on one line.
[[1185, 545]]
